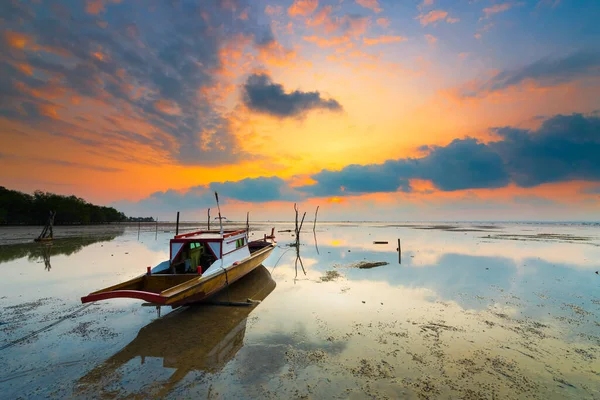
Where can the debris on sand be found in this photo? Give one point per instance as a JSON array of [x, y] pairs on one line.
[[85, 331], [330, 276], [372, 369], [363, 264], [576, 309]]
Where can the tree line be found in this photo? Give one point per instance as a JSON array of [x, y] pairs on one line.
[[17, 208]]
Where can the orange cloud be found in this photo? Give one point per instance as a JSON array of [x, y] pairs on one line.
[[496, 8], [383, 22], [48, 110], [335, 200], [370, 4], [167, 107], [432, 16], [273, 10], [324, 42], [303, 8], [451, 20], [276, 55], [323, 16], [25, 68], [431, 39], [17, 40], [384, 39], [95, 7]]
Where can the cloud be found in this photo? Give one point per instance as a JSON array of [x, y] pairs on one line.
[[545, 72], [302, 8], [564, 148], [384, 39], [432, 17], [257, 190], [370, 4], [327, 42], [431, 39], [321, 17], [383, 22], [273, 10], [261, 94], [549, 3], [163, 69], [425, 3], [358, 179], [451, 20], [591, 190], [59, 163], [498, 8], [463, 164]]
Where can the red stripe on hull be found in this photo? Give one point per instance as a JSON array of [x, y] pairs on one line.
[[131, 294]]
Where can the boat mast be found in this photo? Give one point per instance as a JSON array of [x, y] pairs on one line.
[[219, 207]]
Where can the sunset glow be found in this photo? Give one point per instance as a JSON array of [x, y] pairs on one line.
[[372, 110]]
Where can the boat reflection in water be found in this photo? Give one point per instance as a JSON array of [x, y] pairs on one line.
[[195, 338]]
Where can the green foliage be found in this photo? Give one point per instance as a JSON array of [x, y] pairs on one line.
[[18, 208]]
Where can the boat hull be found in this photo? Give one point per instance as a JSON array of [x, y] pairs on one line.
[[180, 289]]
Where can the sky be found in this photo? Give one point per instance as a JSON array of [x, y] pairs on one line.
[[370, 109]]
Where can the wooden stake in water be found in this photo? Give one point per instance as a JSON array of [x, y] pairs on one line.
[[139, 224], [156, 232], [315, 223], [208, 227], [399, 252], [177, 225]]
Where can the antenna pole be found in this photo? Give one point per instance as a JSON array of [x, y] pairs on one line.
[[219, 207]]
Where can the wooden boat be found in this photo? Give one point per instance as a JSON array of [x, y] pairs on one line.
[[217, 335], [201, 263]]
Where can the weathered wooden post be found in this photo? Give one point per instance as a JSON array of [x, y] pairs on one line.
[[177, 225], [399, 252], [315, 223], [208, 228]]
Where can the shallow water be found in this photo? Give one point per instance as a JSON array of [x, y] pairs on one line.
[[472, 311]]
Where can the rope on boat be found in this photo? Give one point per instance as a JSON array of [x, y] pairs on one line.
[[282, 254], [32, 334]]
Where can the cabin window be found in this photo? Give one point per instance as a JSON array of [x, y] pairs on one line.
[[192, 256], [239, 243]]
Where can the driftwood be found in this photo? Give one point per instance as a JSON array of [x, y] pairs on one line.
[[47, 233], [298, 228]]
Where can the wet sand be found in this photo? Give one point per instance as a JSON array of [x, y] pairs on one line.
[[464, 316]]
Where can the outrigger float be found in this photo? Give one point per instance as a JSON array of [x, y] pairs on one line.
[[201, 263]]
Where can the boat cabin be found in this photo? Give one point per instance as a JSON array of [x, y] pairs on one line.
[[204, 252]]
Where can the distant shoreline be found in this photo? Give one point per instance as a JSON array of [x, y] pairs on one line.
[[243, 222]]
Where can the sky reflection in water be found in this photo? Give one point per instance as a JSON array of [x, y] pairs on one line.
[[307, 330]]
